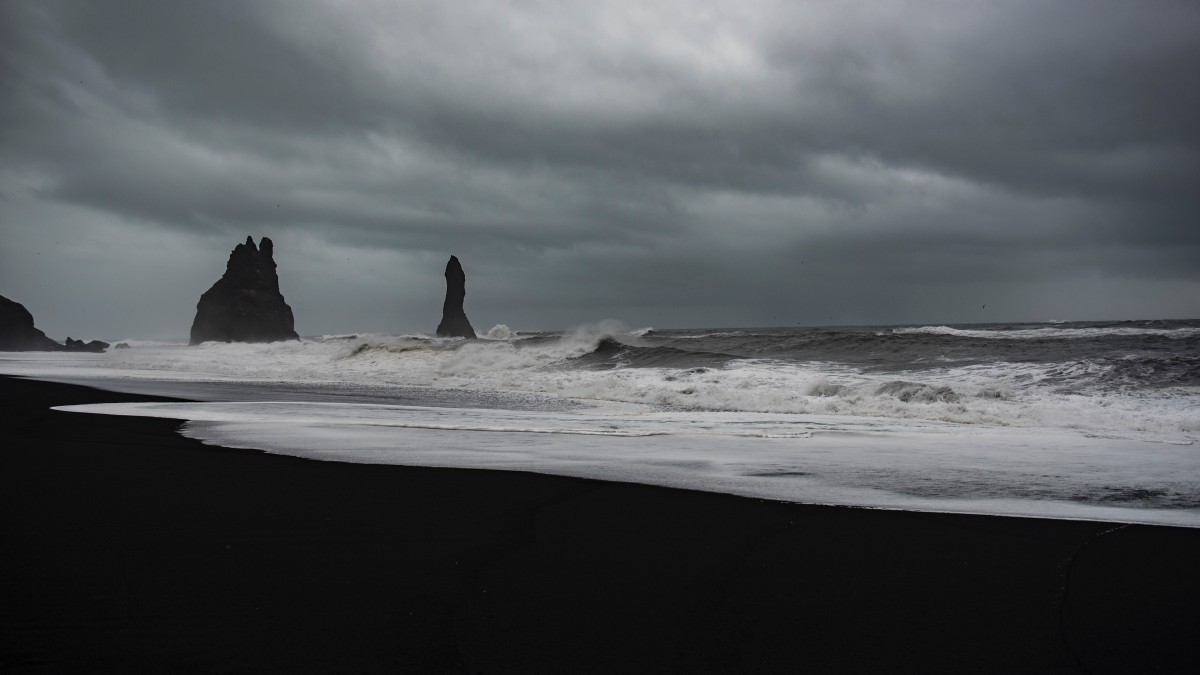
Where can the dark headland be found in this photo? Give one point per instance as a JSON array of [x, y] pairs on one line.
[[129, 548], [454, 319], [18, 333], [245, 304]]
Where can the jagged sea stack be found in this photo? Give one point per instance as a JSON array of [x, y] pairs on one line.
[[454, 319], [245, 304]]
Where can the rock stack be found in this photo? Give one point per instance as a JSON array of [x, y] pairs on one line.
[[245, 304], [96, 346], [454, 319]]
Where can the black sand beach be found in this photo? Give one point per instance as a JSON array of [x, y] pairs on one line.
[[128, 548]]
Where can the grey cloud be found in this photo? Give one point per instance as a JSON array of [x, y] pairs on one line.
[[639, 157]]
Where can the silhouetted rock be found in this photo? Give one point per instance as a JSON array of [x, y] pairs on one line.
[[454, 319], [17, 333], [81, 346], [245, 304]]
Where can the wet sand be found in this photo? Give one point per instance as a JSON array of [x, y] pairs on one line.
[[130, 548]]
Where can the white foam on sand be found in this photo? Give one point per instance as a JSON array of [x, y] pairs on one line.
[[859, 461]]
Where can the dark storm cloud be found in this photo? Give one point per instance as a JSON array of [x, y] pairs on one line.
[[646, 156]]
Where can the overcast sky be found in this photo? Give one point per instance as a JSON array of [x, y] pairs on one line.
[[671, 164]]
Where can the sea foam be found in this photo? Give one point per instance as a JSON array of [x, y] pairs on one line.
[[1073, 395], [871, 462], [843, 416]]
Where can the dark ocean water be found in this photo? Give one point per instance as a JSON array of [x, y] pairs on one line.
[[1133, 354]]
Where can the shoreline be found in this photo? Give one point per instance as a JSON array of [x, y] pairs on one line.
[[133, 548]]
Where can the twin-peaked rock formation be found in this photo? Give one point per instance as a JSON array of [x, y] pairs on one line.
[[454, 319], [245, 304]]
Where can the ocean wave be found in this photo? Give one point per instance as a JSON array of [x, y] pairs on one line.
[[702, 336], [137, 344], [1046, 333], [1142, 371], [606, 364], [918, 392], [500, 332], [610, 352]]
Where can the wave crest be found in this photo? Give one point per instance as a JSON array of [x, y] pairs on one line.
[[1047, 333], [917, 392]]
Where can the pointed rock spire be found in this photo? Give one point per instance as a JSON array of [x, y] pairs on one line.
[[454, 319]]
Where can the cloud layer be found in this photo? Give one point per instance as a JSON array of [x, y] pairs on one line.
[[682, 164]]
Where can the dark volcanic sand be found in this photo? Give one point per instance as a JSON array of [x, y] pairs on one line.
[[129, 548]]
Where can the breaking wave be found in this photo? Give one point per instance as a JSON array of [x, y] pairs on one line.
[[1053, 333], [1139, 387]]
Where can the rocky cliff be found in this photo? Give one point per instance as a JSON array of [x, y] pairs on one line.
[[18, 334], [245, 304]]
